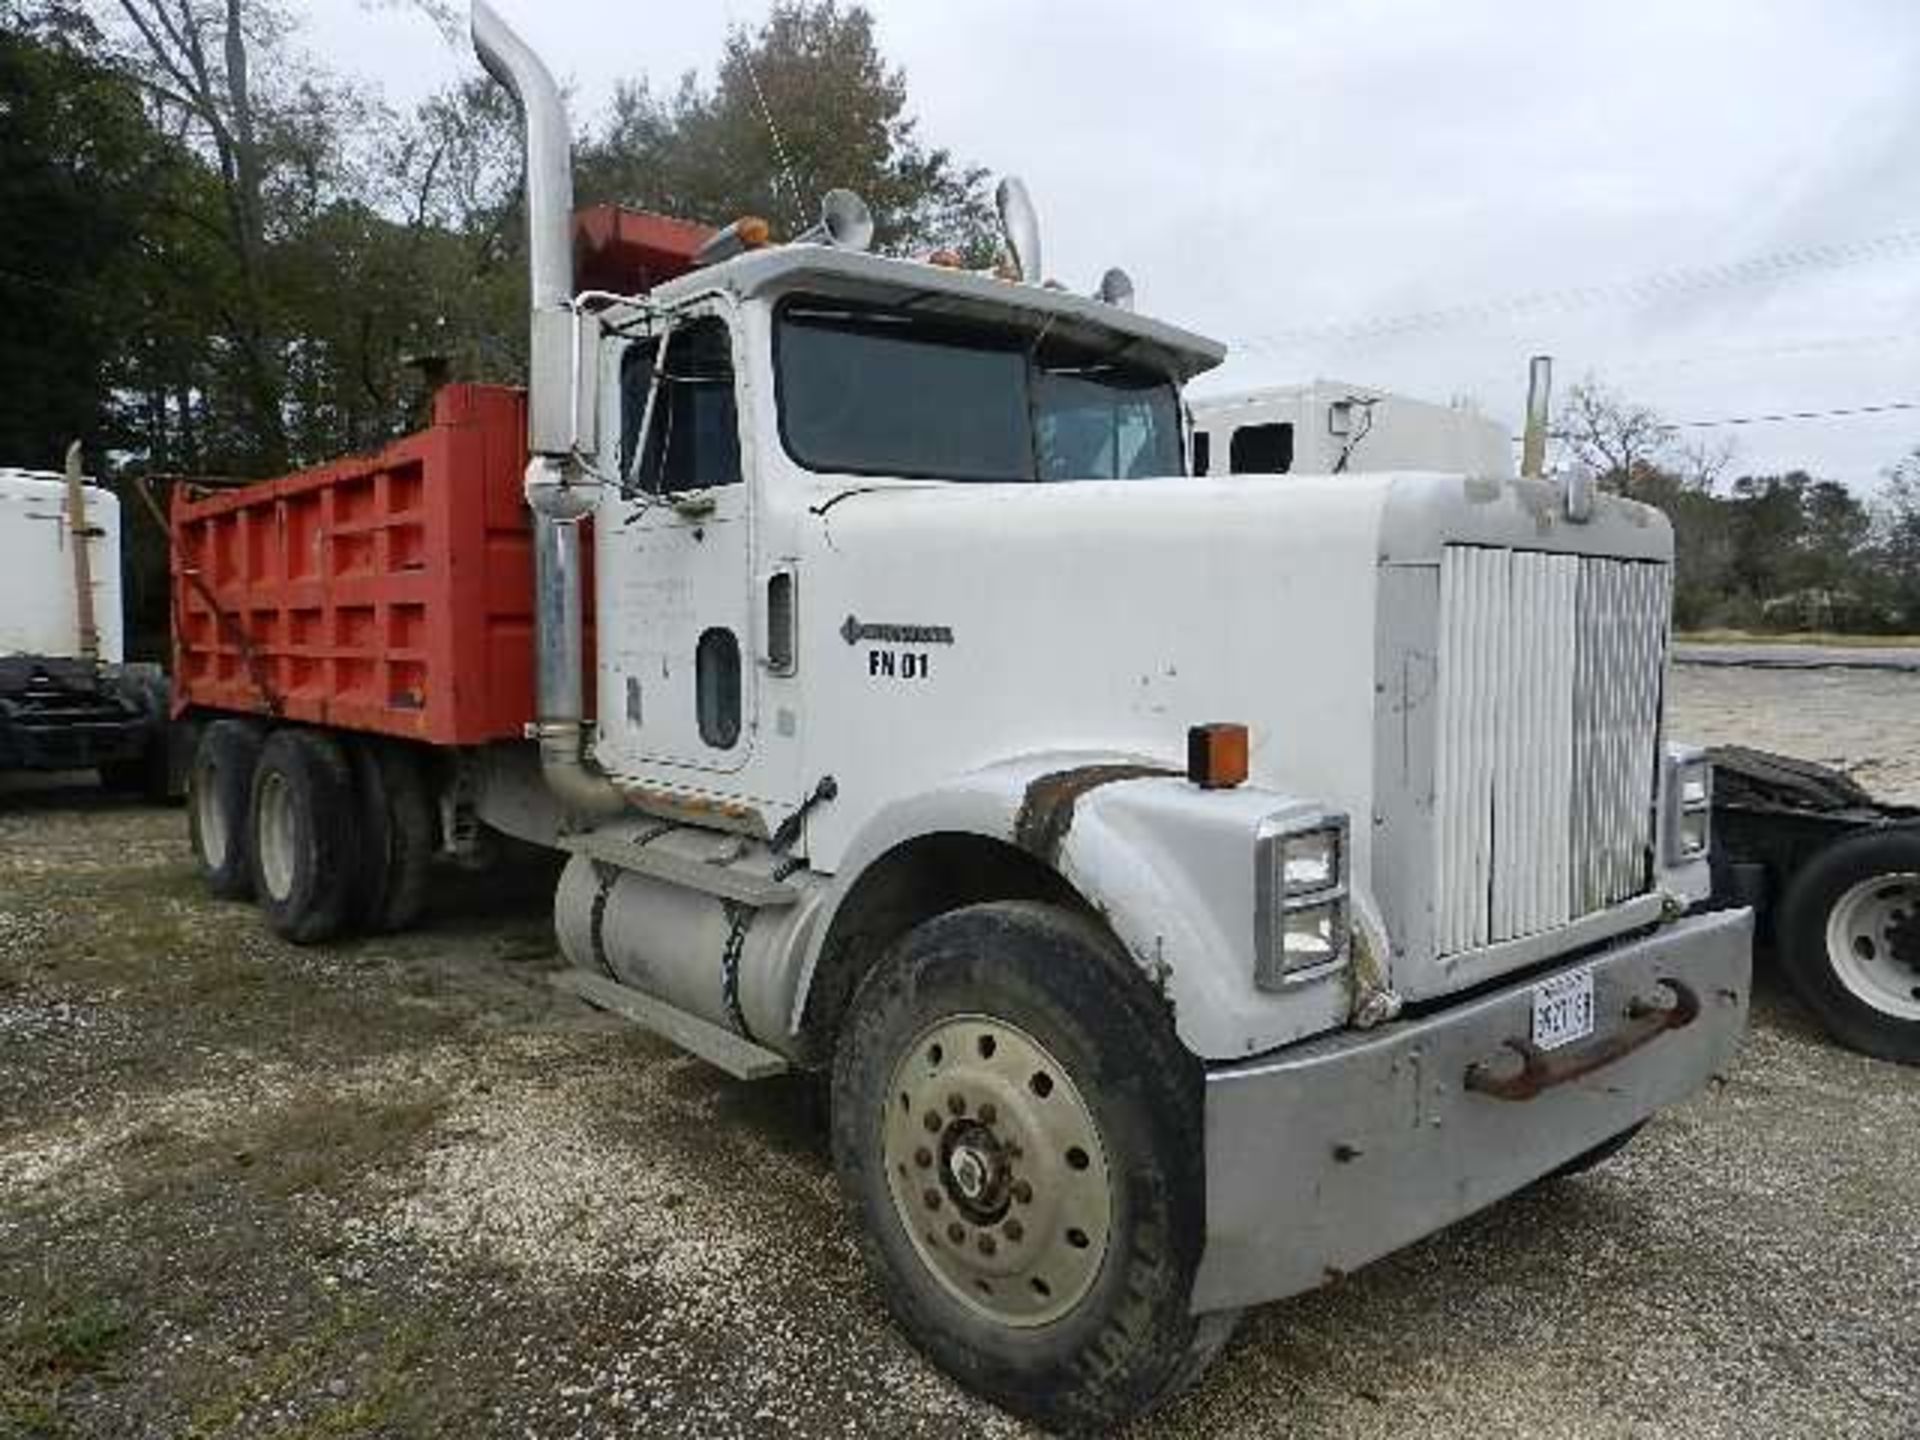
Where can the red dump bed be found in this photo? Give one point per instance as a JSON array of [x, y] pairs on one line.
[[389, 592]]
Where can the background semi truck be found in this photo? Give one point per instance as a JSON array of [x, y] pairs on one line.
[[68, 700], [1191, 890]]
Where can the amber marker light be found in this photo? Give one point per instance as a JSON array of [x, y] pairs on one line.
[[1217, 756]]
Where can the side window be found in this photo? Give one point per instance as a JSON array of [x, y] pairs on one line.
[[694, 439], [1261, 450], [1202, 452]]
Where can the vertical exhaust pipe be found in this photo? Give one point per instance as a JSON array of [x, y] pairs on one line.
[[1020, 223], [554, 487], [79, 534], [1533, 441]]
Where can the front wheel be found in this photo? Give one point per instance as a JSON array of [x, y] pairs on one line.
[[1849, 941], [1018, 1131]]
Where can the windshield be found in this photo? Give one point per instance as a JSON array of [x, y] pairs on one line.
[[873, 391]]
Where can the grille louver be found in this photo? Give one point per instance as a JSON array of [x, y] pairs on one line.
[[1550, 671]]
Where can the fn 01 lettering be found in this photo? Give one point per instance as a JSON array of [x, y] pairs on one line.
[[899, 664]]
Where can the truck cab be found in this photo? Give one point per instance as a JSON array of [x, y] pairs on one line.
[[900, 579]]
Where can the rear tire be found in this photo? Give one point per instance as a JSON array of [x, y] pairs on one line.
[[1035, 1209], [305, 872], [150, 776], [398, 829], [219, 803], [1848, 940]]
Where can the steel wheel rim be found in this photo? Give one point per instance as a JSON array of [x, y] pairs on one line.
[[997, 1170], [210, 819], [278, 836], [1860, 946]]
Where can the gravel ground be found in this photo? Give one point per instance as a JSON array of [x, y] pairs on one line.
[[1866, 722], [400, 1188]]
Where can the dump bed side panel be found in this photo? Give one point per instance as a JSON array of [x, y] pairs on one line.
[[389, 592]]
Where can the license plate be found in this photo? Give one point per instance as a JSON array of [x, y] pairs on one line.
[[1563, 1010]]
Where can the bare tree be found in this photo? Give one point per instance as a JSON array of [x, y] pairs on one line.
[[1620, 441], [195, 59]]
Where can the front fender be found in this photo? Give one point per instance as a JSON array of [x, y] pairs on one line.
[[1170, 867]]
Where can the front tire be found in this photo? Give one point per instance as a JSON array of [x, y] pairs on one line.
[[304, 866], [1848, 937], [1018, 1132]]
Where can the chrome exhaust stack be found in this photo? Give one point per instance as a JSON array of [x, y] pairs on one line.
[[558, 490], [1020, 223]]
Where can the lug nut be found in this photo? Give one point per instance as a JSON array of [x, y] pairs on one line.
[[957, 1234], [932, 1197], [1023, 1192], [933, 1122], [1015, 1230], [987, 1246], [957, 1105], [988, 1114], [923, 1157]]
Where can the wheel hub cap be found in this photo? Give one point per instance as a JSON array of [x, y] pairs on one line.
[[997, 1170], [1873, 943]]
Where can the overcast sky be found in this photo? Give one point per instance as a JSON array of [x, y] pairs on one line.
[[1412, 195]]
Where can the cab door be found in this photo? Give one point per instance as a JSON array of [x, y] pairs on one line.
[[677, 655]]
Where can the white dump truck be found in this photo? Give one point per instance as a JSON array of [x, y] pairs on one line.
[[1193, 889], [68, 700]]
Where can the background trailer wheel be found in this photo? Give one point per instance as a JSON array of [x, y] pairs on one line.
[[219, 800], [1849, 940], [306, 873], [1017, 1131]]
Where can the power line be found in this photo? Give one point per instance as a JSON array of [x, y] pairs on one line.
[[1659, 285], [1782, 417]]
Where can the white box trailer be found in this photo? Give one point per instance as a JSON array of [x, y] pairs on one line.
[[39, 607], [1326, 427], [67, 699]]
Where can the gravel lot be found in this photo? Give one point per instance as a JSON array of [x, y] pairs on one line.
[[399, 1188]]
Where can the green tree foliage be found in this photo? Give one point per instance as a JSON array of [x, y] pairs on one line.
[[82, 179], [803, 105], [220, 260]]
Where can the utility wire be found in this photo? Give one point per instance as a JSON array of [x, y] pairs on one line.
[[1780, 417], [1783, 417], [1660, 285]]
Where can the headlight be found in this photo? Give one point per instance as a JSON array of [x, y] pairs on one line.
[[1310, 862], [1689, 806], [1302, 917]]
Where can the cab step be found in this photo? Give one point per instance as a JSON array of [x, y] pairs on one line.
[[735, 1054]]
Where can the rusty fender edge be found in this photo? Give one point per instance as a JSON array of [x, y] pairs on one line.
[[1334, 1152], [1046, 809]]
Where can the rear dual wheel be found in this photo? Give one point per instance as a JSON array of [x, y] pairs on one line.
[[1017, 1129], [304, 863], [328, 833], [219, 806]]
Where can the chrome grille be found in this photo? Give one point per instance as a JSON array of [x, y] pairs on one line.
[[1550, 672]]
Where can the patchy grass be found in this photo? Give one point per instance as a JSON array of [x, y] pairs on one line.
[[55, 1342], [319, 1143]]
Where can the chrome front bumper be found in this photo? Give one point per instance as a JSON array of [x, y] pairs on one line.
[[1341, 1150]]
